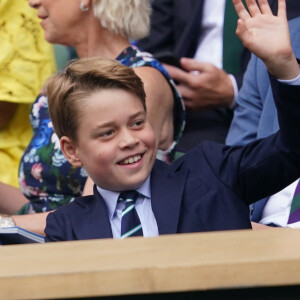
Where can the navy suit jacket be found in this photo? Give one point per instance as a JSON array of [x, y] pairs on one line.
[[256, 115], [208, 189]]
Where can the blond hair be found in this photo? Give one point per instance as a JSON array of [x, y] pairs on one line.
[[129, 18], [68, 91]]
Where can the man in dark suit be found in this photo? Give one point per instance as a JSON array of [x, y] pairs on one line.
[[181, 28], [210, 188]]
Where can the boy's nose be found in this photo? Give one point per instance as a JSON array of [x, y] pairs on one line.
[[34, 3], [128, 140]]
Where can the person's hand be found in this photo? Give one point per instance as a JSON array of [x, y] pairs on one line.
[[202, 85], [6, 221], [267, 36]]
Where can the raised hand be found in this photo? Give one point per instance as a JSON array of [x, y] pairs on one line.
[[267, 36]]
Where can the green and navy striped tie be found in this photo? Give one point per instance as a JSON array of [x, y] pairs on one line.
[[130, 223]]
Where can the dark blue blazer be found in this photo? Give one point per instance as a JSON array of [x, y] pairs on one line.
[[208, 189]]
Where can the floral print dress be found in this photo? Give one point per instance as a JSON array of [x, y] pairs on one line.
[[46, 178]]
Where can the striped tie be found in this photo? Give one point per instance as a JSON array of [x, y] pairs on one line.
[[130, 224], [295, 206]]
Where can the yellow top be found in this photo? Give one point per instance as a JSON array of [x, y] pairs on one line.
[[26, 61]]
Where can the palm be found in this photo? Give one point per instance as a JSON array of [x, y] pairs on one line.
[[261, 32], [265, 37]]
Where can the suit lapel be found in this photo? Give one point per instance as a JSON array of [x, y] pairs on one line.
[[188, 42], [93, 221], [167, 186]]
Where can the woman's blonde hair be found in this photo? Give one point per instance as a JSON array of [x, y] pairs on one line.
[[130, 18]]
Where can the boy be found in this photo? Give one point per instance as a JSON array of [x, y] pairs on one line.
[[98, 110]]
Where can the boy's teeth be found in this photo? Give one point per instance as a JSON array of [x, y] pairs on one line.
[[131, 160]]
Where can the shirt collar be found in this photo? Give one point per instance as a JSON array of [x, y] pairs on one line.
[[111, 198]]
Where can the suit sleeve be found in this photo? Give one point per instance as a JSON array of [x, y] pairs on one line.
[[264, 166], [279, 164], [54, 228], [161, 37], [243, 128]]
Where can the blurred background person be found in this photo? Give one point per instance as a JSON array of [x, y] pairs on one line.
[[204, 32]]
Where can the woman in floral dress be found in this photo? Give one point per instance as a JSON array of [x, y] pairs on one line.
[[95, 28]]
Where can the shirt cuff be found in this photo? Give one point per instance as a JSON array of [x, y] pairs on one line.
[[294, 81], [293, 225], [235, 91]]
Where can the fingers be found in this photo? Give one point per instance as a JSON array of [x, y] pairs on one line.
[[265, 7], [281, 8], [256, 9], [240, 9], [188, 64], [187, 94], [191, 69], [253, 8], [176, 73], [191, 65]]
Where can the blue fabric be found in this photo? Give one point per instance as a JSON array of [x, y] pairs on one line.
[[210, 188], [256, 115]]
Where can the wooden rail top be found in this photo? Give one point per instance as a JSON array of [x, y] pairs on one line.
[[174, 263]]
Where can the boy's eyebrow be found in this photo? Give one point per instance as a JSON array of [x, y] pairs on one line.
[[111, 123], [139, 113]]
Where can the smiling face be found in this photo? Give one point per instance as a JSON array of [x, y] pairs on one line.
[[61, 19], [115, 142]]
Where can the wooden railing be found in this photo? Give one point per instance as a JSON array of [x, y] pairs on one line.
[[167, 264]]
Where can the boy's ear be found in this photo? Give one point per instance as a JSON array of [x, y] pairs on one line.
[[68, 148]]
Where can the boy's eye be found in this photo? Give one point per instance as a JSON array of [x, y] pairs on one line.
[[108, 133], [138, 123]]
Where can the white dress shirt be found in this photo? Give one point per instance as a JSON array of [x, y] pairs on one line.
[[210, 45], [143, 208]]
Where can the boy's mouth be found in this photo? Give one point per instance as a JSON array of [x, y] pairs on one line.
[[131, 160]]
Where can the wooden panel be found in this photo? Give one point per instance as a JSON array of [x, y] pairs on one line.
[[175, 263]]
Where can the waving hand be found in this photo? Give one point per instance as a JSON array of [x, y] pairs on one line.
[[267, 36]]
